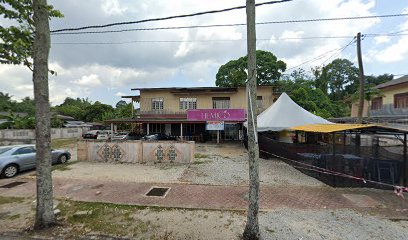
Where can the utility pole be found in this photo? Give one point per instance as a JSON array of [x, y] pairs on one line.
[[252, 226], [362, 81]]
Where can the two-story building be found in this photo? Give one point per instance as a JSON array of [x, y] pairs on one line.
[[195, 112], [390, 106]]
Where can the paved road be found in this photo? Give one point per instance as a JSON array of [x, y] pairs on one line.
[[379, 202]]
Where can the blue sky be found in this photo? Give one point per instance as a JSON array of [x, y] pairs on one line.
[[104, 72]]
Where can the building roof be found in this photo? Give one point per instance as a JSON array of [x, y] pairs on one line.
[[401, 80], [195, 88], [340, 127]]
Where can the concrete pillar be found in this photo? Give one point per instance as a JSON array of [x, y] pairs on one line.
[[181, 130], [148, 131]]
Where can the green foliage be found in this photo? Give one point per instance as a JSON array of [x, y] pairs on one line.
[[233, 73], [16, 41], [338, 79]]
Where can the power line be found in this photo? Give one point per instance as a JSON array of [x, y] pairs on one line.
[[166, 18], [337, 54], [62, 31], [207, 40], [221, 40], [322, 56]]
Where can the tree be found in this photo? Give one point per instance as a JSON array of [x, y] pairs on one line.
[[31, 38], [234, 73], [338, 79], [44, 217]]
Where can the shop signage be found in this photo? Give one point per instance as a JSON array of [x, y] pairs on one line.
[[216, 115], [214, 125]]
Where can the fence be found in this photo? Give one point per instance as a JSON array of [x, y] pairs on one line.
[[136, 151], [373, 162], [20, 136]]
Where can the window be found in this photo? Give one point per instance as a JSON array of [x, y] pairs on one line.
[[157, 104], [259, 102], [188, 103], [376, 103], [155, 128], [401, 100], [221, 102], [24, 150]]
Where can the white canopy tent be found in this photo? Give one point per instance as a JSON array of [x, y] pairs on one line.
[[284, 114]]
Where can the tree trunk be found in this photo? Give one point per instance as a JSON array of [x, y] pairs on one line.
[[44, 213], [252, 226]]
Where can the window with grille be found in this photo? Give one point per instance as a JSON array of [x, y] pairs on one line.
[[155, 128], [401, 100], [376, 103], [157, 104], [221, 102], [259, 102], [188, 103]]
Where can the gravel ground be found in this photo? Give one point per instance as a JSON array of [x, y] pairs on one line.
[[224, 164], [341, 224], [228, 165], [159, 173]]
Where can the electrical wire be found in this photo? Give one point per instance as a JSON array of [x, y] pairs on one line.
[[337, 54], [69, 30], [166, 18]]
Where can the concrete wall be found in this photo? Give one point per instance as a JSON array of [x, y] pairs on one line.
[[136, 151], [204, 99], [27, 136]]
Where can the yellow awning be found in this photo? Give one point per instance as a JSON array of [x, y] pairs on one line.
[[329, 128]]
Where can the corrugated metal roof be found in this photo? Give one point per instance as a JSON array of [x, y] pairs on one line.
[[329, 128], [403, 79]]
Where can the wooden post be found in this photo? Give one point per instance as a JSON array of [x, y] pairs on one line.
[[334, 163], [252, 225], [362, 81]]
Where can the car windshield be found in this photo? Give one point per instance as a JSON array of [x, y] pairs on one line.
[[4, 149]]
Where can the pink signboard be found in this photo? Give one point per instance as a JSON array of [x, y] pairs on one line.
[[216, 115]]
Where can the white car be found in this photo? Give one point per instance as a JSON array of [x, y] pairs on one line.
[[104, 135]]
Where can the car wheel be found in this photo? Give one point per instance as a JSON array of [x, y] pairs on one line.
[[10, 171], [62, 159]]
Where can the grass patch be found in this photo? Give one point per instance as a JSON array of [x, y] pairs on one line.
[[202, 162], [106, 218], [14, 217], [200, 155], [62, 167], [63, 142], [7, 200]]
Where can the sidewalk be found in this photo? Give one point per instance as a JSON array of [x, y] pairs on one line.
[[379, 202]]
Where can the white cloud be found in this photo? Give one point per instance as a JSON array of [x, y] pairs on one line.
[[89, 80], [112, 7], [382, 39], [290, 36]]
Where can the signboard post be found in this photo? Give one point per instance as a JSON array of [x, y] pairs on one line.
[[215, 126]]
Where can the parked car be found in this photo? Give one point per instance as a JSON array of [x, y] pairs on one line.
[[158, 137], [17, 158], [104, 135], [120, 136], [128, 136], [93, 134]]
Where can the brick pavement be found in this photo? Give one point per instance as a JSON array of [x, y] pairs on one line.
[[384, 203]]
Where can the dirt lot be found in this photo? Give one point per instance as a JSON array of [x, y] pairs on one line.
[[224, 164], [215, 165]]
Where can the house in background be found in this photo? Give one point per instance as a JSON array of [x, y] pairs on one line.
[[187, 112], [391, 107]]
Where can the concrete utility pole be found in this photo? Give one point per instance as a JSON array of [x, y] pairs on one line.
[[362, 81], [252, 226]]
